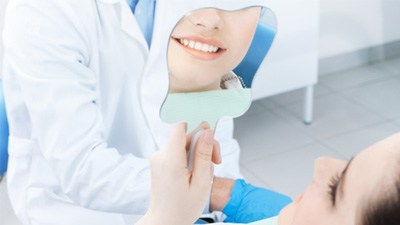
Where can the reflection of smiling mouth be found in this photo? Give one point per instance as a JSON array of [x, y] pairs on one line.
[[201, 48], [198, 45]]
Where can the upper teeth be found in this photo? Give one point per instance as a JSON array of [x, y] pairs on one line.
[[198, 45]]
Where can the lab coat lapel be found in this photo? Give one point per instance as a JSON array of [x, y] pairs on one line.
[[158, 40], [155, 81], [130, 26], [128, 21]]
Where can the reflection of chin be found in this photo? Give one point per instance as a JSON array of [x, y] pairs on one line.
[[231, 81]]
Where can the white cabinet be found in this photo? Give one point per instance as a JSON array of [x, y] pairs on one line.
[[292, 61]]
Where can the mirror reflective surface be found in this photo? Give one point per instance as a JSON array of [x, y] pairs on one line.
[[213, 56]]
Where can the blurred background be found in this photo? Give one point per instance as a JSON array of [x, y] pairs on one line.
[[330, 85]]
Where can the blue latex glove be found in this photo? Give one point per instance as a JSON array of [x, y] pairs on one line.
[[248, 203]]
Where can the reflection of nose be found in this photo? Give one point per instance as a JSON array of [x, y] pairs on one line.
[[325, 168], [209, 19]]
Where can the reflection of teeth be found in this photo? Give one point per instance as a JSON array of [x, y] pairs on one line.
[[198, 46]]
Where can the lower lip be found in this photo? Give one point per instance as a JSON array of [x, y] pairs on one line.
[[200, 54]]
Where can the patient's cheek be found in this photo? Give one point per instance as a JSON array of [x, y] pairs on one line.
[[287, 214]]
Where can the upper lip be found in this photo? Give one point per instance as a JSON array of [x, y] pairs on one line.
[[208, 41]]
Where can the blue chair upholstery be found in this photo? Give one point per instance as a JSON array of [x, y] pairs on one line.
[[259, 48], [3, 134]]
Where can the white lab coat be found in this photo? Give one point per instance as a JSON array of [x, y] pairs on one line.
[[83, 95]]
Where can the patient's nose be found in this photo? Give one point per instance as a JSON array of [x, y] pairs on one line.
[[326, 167], [209, 19]]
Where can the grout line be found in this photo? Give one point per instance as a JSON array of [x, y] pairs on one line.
[[281, 104], [256, 176], [283, 151], [367, 108], [322, 141], [367, 83], [334, 150], [259, 104], [353, 130], [395, 122], [382, 120]]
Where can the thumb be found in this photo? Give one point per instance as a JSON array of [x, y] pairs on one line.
[[176, 151], [203, 167]]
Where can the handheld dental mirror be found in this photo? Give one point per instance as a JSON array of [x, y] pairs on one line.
[[213, 56]]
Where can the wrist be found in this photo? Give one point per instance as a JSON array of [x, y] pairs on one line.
[[220, 193]]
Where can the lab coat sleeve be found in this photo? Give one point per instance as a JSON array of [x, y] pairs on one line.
[[48, 52], [230, 150]]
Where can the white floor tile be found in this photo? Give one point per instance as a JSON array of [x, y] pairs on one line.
[[353, 78], [391, 66], [267, 134], [290, 172], [251, 178], [298, 95], [333, 115], [7, 216], [349, 144], [381, 97], [397, 121], [256, 107], [268, 103]]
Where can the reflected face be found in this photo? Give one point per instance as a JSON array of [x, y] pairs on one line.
[[341, 189], [207, 44]]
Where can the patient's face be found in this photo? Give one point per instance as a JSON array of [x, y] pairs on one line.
[[367, 174], [207, 44]]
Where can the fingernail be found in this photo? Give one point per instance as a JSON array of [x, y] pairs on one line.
[[185, 125], [208, 137], [204, 124]]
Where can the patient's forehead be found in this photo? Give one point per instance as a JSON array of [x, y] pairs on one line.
[[372, 173], [382, 155], [380, 167]]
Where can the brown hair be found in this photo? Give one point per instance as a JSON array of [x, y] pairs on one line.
[[386, 210]]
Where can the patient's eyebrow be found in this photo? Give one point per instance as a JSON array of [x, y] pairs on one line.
[[343, 178]]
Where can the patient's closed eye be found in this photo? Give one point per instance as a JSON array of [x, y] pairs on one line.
[[337, 183], [333, 186]]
